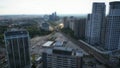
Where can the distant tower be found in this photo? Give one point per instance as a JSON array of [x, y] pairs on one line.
[[53, 17], [17, 44], [113, 27], [98, 15]]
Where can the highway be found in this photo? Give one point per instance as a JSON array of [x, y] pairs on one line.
[[91, 51]]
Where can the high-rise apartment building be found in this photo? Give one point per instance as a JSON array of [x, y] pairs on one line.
[[60, 57], [71, 22], [79, 28], [88, 28], [98, 15], [66, 22], [17, 47], [113, 27]]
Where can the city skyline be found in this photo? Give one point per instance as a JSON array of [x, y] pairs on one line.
[[71, 39], [11, 7]]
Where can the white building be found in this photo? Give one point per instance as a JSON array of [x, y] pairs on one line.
[[48, 44]]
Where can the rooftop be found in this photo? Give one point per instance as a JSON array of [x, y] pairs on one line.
[[58, 43], [114, 2], [63, 51], [13, 32], [48, 44], [63, 48]]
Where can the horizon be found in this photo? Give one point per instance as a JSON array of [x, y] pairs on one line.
[[43, 14], [38, 7]]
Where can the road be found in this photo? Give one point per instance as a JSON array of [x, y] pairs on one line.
[[91, 51]]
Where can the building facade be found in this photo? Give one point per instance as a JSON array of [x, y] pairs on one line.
[[88, 28], [17, 47], [66, 22], [113, 27], [79, 28], [98, 15], [60, 57], [103, 32], [45, 26], [71, 22]]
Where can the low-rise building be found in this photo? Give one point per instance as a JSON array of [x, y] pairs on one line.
[[61, 57], [47, 44], [45, 26], [58, 43]]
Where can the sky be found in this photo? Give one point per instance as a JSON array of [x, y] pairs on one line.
[[8, 7]]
